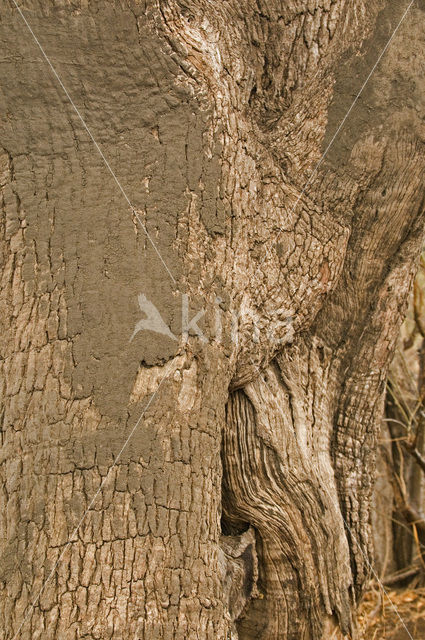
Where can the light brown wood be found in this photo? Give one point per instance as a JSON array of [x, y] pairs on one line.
[[215, 118]]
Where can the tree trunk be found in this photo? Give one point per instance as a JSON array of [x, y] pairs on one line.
[[400, 492], [200, 308]]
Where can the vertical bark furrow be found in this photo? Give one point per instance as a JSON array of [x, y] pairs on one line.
[[270, 481]]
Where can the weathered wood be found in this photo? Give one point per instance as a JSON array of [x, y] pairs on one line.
[[214, 117]]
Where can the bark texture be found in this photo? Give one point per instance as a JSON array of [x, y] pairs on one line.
[[240, 505]]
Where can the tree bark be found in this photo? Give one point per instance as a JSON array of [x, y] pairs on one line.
[[172, 484]]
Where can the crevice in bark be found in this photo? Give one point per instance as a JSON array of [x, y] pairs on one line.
[[267, 482], [239, 566]]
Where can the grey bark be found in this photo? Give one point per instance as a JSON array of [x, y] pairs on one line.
[[214, 117]]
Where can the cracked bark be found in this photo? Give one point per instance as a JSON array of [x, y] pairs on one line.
[[214, 119]]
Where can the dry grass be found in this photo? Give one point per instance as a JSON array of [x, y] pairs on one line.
[[378, 619]]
